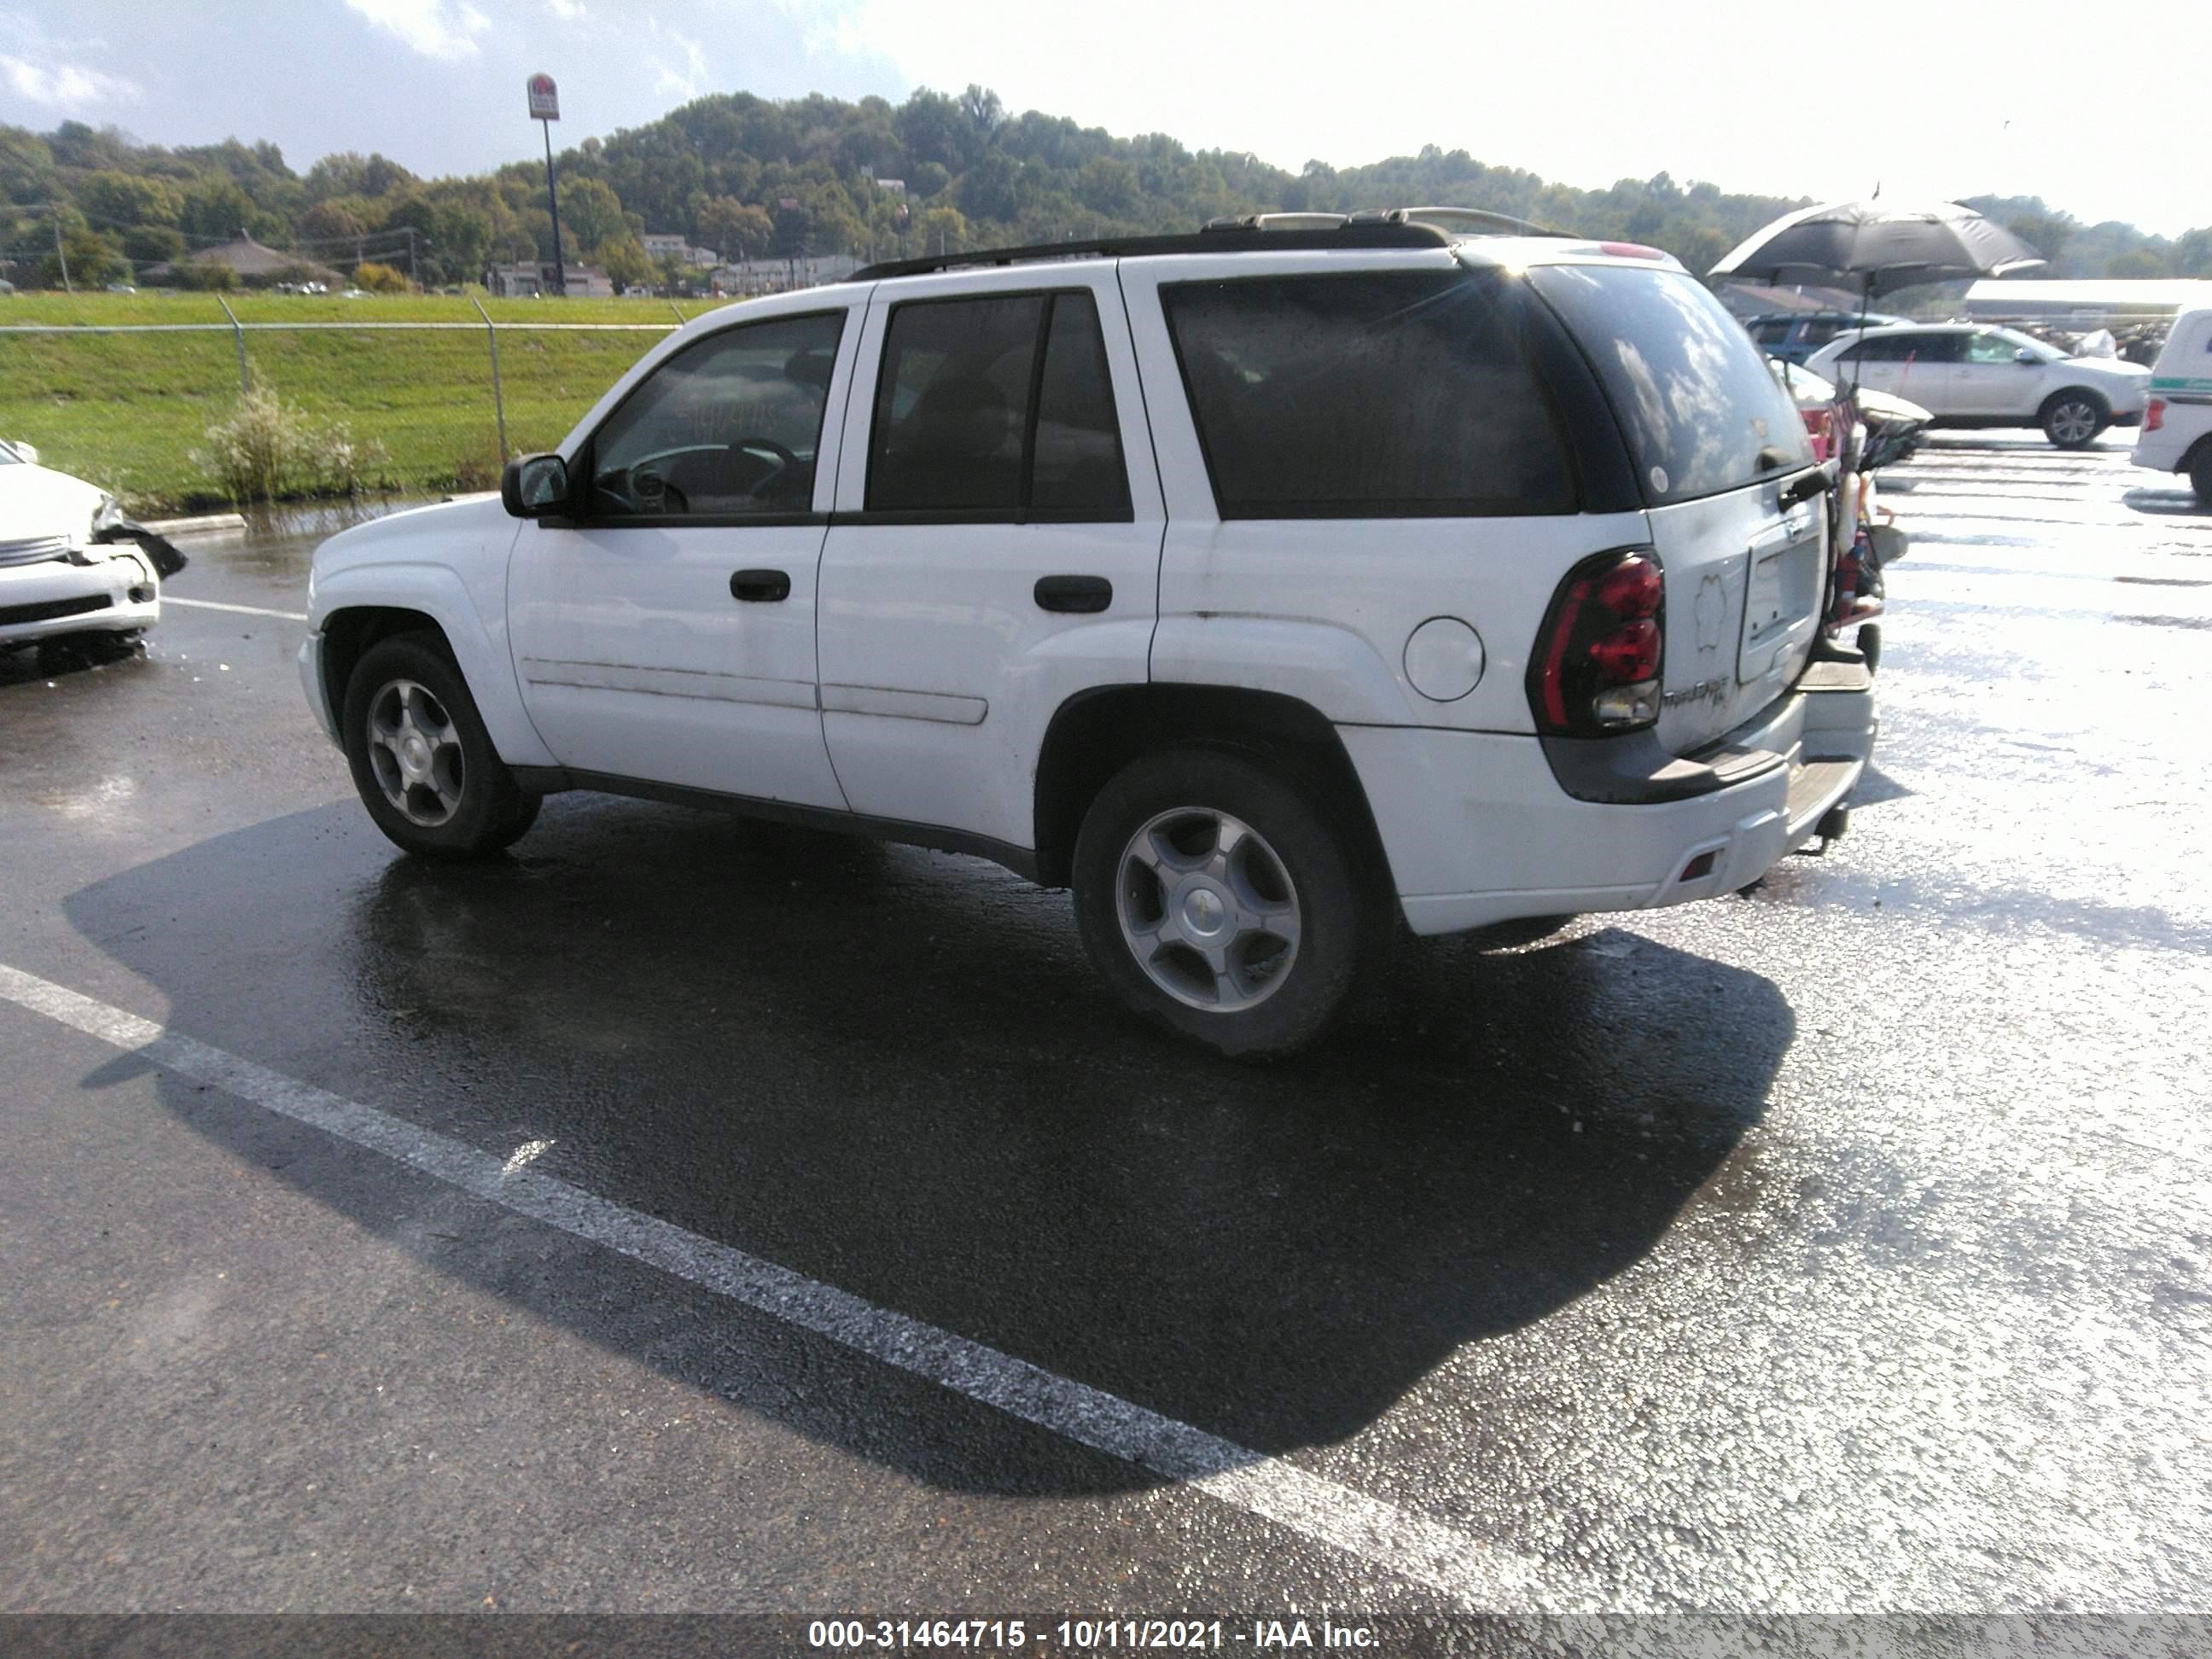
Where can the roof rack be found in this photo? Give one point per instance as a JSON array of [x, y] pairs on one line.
[[1419, 227]]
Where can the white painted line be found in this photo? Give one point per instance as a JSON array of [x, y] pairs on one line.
[[1477, 1577], [241, 610]]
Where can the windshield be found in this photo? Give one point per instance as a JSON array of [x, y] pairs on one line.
[[1692, 394], [10, 458]]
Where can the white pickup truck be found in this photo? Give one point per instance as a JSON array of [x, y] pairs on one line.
[[1265, 586]]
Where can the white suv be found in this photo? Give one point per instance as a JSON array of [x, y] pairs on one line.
[[1258, 583], [1971, 374]]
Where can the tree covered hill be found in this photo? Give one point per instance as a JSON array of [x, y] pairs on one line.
[[756, 178]]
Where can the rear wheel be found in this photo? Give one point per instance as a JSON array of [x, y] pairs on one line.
[[2072, 420], [1218, 900], [2200, 474], [423, 763]]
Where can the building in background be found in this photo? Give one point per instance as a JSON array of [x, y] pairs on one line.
[[529, 280]]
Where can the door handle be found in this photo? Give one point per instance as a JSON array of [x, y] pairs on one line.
[[765, 586], [1085, 596]]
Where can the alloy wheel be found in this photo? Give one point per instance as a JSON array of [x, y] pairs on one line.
[[1207, 908], [415, 750]]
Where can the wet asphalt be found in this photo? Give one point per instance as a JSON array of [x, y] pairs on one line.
[[1843, 1246]]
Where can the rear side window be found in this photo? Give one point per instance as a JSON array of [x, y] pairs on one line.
[[1700, 408], [1771, 331], [999, 406], [1373, 395]]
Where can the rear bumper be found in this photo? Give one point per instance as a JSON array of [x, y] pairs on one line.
[[1478, 830], [117, 593]]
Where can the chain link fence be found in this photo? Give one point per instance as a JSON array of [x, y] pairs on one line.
[[155, 412]]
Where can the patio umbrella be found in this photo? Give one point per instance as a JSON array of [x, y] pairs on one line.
[[1877, 247]]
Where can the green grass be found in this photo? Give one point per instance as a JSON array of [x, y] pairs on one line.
[[127, 410]]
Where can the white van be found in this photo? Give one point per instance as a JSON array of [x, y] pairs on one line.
[[2177, 425]]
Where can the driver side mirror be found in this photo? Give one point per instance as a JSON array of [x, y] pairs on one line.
[[534, 485], [2024, 355]]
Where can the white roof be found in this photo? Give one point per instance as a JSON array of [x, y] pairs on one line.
[[2027, 297]]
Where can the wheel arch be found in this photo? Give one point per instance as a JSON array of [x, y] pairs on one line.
[[352, 613], [2090, 393], [1095, 734]]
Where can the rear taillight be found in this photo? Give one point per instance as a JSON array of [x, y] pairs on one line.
[[1596, 668], [2153, 414]]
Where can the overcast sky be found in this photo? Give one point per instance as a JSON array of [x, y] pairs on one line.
[[1938, 99]]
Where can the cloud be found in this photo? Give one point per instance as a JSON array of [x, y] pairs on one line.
[[687, 79], [41, 70], [568, 11], [436, 28]]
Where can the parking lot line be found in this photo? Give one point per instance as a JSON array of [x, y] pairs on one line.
[[1472, 1574], [242, 609]]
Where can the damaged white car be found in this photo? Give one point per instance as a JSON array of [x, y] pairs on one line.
[[70, 563]]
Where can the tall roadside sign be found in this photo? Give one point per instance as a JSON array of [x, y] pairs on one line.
[[545, 110]]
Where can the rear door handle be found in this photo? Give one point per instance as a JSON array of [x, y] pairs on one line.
[[1083, 595], [765, 586]]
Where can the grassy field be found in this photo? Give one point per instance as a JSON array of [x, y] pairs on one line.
[[127, 410]]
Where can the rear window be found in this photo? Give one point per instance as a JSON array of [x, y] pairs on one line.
[[1371, 395], [1697, 405]]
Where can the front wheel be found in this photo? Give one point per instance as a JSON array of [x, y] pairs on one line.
[[2200, 474], [2072, 420], [423, 763], [1218, 900]]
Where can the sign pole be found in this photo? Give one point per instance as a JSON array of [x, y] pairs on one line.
[[545, 110], [553, 201]]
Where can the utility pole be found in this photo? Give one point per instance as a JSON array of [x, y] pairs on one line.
[[61, 254], [545, 110]]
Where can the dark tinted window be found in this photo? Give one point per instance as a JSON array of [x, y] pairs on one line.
[[951, 404], [968, 419], [1905, 348], [1373, 395], [728, 426], [1697, 403], [1078, 467], [1771, 331]]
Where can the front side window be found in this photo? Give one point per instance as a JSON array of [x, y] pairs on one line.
[[728, 427], [998, 406], [1374, 395]]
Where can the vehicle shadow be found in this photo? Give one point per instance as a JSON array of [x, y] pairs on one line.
[[893, 1070]]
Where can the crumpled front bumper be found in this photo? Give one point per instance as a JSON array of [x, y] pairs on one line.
[[116, 592]]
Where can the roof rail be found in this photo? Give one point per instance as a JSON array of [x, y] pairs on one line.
[[1247, 235]]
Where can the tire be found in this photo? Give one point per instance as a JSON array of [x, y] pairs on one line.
[[449, 795], [2200, 474], [1151, 866], [2073, 418]]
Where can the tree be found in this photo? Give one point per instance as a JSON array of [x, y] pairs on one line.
[[735, 229], [215, 209], [379, 278], [115, 200], [350, 173], [94, 261], [206, 274], [2137, 262], [591, 208], [941, 230], [987, 190], [624, 261], [148, 245]]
